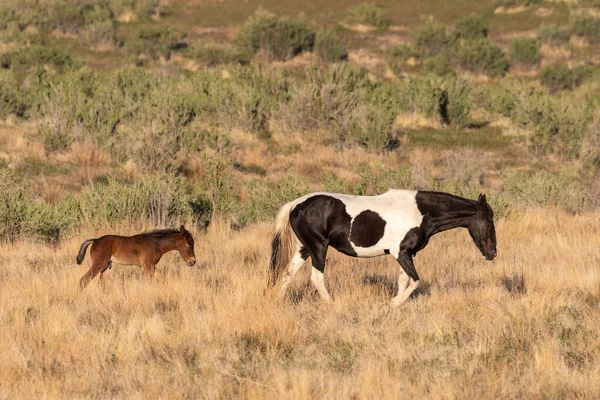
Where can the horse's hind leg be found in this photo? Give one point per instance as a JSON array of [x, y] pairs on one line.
[[104, 275], [97, 267], [317, 276], [293, 267]]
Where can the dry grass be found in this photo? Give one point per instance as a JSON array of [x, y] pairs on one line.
[[522, 326]]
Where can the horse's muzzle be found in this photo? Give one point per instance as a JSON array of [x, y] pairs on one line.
[[191, 262], [490, 257]]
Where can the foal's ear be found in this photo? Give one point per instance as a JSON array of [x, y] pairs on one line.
[[182, 229], [482, 200]]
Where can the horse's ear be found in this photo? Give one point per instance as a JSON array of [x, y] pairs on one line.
[[482, 200], [182, 229]]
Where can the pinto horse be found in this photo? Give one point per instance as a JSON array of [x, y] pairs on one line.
[[144, 250], [398, 222]]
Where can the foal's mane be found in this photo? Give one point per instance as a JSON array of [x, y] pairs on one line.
[[161, 232]]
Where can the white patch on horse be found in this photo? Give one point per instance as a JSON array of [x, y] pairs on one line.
[[398, 208]]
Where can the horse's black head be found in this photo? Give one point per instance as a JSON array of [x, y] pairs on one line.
[[481, 229], [188, 254]]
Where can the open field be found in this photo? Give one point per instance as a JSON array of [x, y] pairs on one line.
[[119, 116], [524, 325]]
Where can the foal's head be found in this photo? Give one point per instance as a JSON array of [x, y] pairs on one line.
[[185, 246], [481, 229]]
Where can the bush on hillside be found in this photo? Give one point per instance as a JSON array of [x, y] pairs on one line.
[[281, 37], [368, 14], [329, 47], [213, 54], [430, 38], [525, 51], [470, 27], [481, 56], [157, 41], [585, 24], [559, 76], [553, 34]]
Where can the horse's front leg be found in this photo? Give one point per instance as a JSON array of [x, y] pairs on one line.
[[408, 280]]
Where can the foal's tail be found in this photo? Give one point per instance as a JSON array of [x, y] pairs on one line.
[[82, 250], [282, 245]]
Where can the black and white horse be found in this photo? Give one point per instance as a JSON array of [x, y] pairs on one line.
[[398, 222]]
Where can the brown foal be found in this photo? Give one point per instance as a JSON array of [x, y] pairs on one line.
[[145, 250]]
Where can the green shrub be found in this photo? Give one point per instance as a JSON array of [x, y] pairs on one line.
[[368, 14], [585, 24], [13, 206], [329, 47], [265, 198], [469, 28], [162, 199], [553, 34], [515, 3], [445, 99], [212, 54], [439, 65], [157, 41], [559, 76], [525, 51], [481, 56], [37, 56], [12, 99], [98, 33], [282, 37], [430, 38], [403, 52], [544, 188], [216, 185], [143, 9], [560, 128]]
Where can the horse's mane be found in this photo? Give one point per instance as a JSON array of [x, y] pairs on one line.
[[161, 232]]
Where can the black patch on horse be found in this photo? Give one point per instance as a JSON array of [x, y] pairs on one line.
[[318, 222], [367, 229]]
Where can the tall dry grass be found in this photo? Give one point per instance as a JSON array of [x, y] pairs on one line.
[[522, 326]]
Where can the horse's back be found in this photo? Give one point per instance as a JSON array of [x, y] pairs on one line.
[[365, 226]]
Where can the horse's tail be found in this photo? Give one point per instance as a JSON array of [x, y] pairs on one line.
[[82, 249], [282, 244]]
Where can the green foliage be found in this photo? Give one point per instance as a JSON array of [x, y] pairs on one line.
[[329, 47], [157, 41], [403, 52], [525, 51], [470, 27], [430, 38], [446, 99], [481, 56], [559, 76], [216, 186], [553, 34], [143, 9], [440, 65], [368, 14], [585, 24], [98, 33], [515, 3], [213, 54], [545, 188], [281, 37], [342, 104], [37, 56], [12, 99], [161, 199], [264, 198]]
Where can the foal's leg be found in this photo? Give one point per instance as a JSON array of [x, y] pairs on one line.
[[408, 271], [97, 267], [104, 275], [293, 267]]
